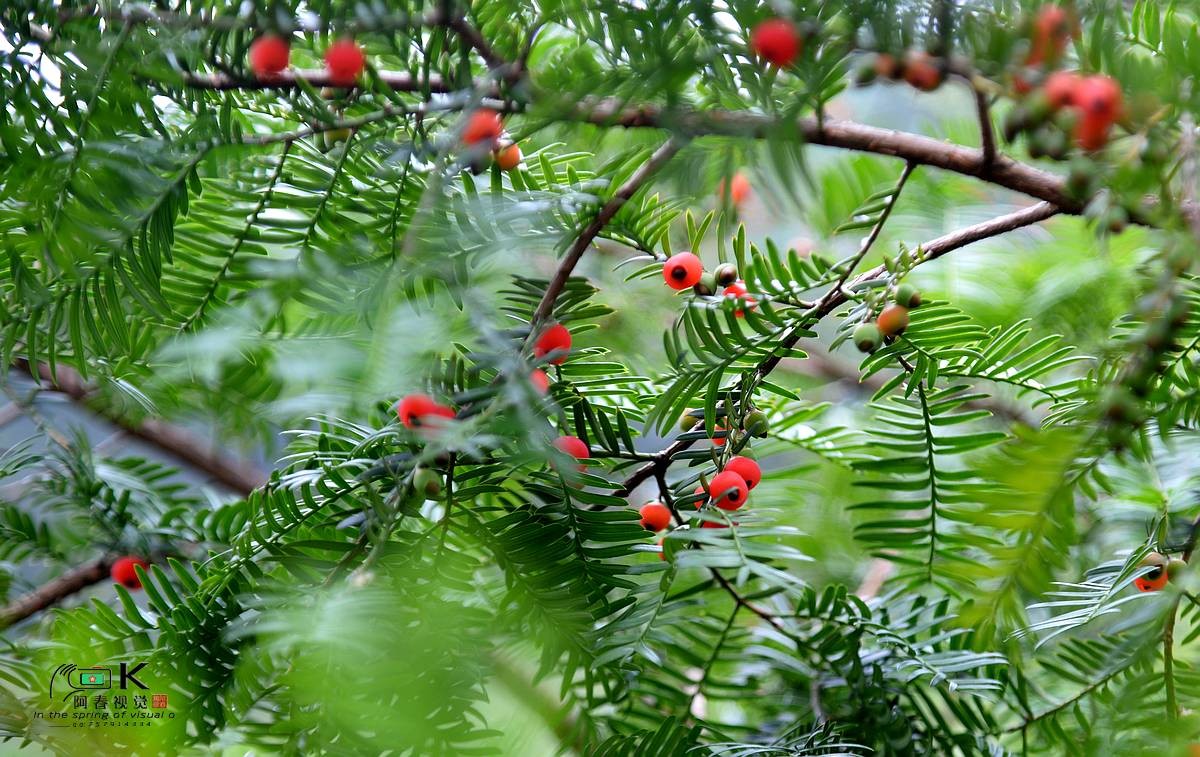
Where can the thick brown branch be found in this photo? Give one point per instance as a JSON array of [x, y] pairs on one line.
[[660, 157], [232, 472], [985, 164], [1003, 171], [53, 592]]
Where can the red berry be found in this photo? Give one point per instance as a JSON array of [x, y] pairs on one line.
[[887, 66], [700, 502], [662, 555], [124, 573], [1060, 88], [737, 291], [739, 189], [508, 158], [719, 440], [1051, 30], [892, 320], [269, 55], [484, 126], [1155, 580], [746, 468], [776, 41], [714, 524], [655, 516], [540, 380], [1099, 96], [921, 71], [682, 270], [344, 61], [575, 447], [729, 490], [554, 339], [418, 410], [1098, 99]]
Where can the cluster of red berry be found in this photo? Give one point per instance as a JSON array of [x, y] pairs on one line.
[[684, 269], [344, 59], [421, 412], [1060, 105], [729, 490], [891, 321], [916, 67], [485, 128], [344, 63]]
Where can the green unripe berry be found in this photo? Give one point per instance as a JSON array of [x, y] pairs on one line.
[[865, 73], [1153, 151], [687, 421], [1175, 569], [1119, 405], [908, 296], [1080, 177], [726, 274], [707, 286], [1038, 109], [1015, 122], [1055, 144], [867, 337], [427, 482], [1116, 219], [756, 424], [1066, 120]]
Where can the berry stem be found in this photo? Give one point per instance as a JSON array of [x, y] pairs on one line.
[[1168, 641]]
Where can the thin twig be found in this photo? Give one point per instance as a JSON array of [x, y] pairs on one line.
[[660, 157], [987, 135], [1168, 642]]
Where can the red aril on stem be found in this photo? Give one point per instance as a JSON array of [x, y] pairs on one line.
[[739, 189], [892, 320], [682, 270], [1060, 88], [746, 468], [1052, 29], [344, 61], [508, 158], [269, 55], [729, 490], [655, 516], [124, 571], [554, 339], [1098, 100], [540, 380], [575, 447], [776, 41], [1155, 580], [483, 127], [420, 410], [737, 291], [922, 71]]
